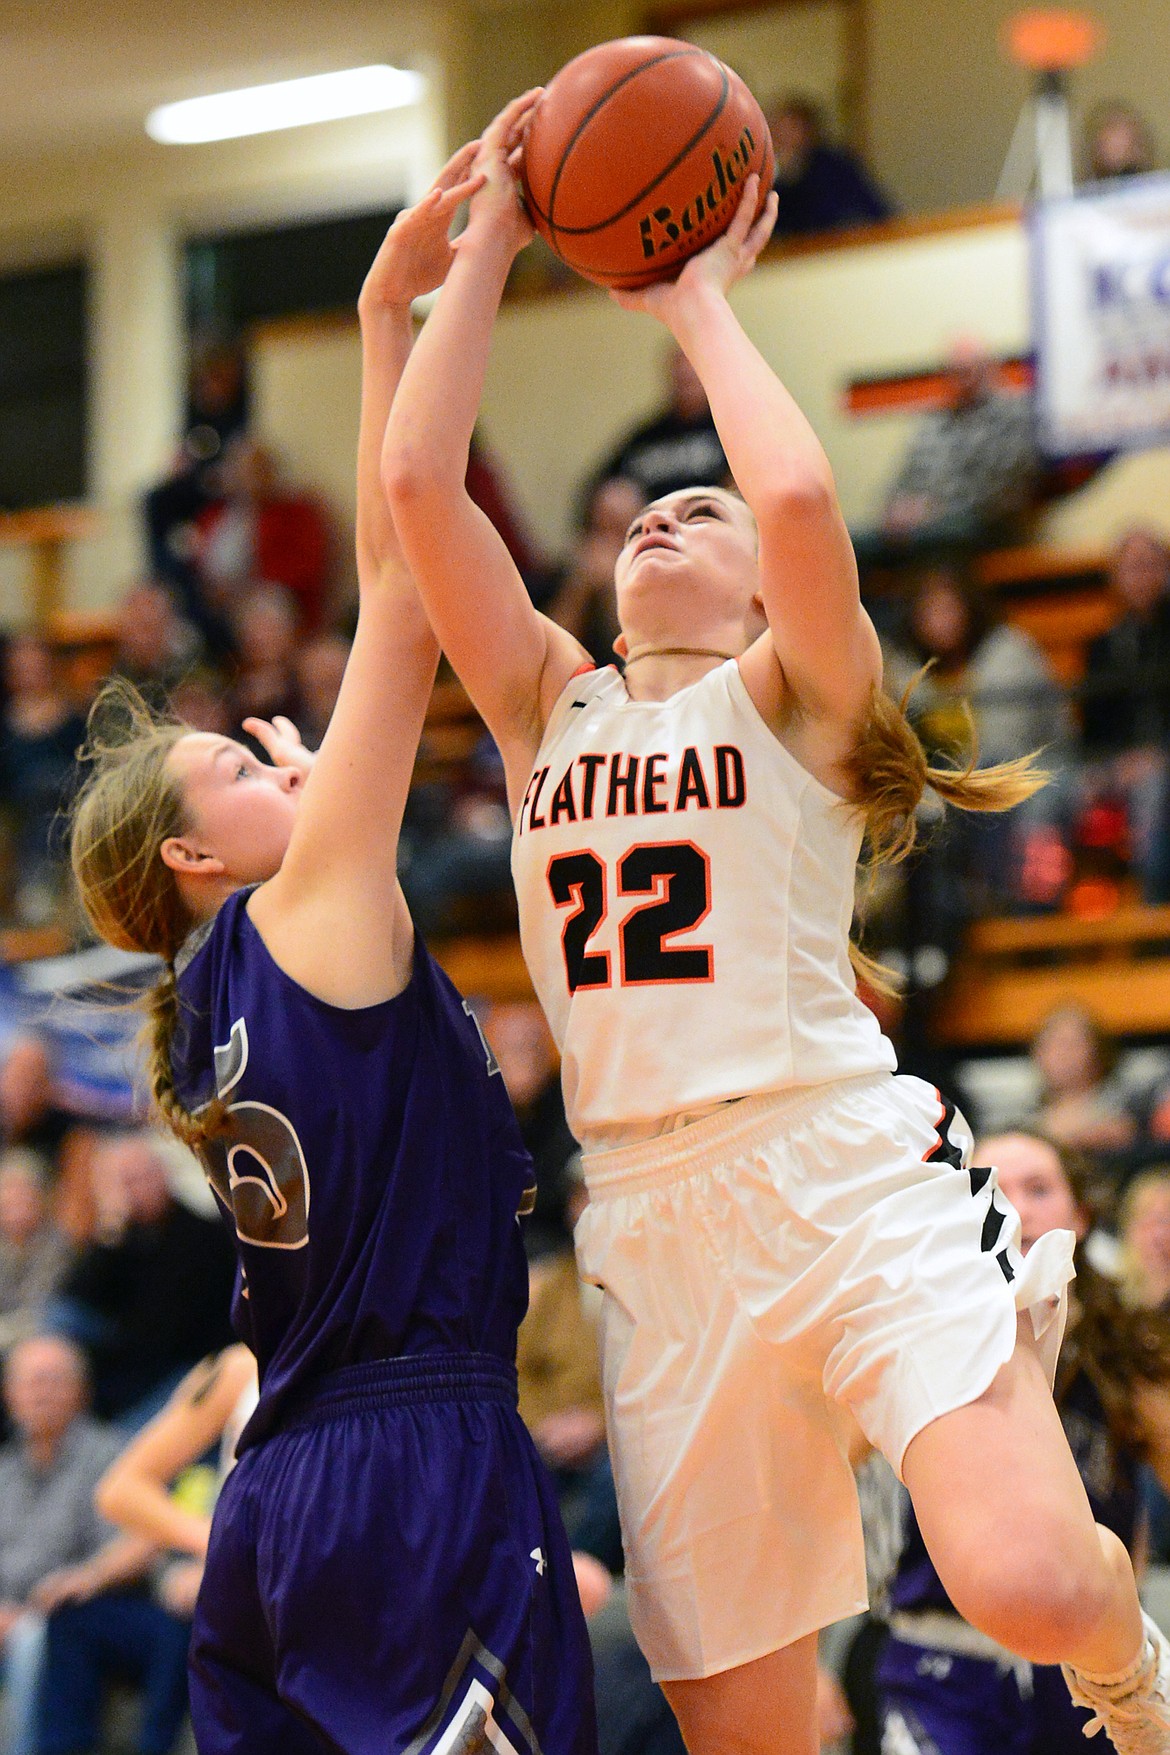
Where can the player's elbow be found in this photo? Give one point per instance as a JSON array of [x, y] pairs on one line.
[[805, 495], [109, 1497], [416, 477]]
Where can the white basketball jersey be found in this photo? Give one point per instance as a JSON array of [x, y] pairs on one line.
[[686, 893]]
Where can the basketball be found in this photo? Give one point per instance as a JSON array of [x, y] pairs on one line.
[[635, 155]]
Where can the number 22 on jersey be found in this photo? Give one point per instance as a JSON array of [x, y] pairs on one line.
[[676, 875]]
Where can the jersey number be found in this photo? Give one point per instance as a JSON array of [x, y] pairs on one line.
[[255, 1165], [676, 874]]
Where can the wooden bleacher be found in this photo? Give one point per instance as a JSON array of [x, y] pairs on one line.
[[1013, 972]]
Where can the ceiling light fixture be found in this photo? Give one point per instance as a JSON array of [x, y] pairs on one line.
[[291, 103]]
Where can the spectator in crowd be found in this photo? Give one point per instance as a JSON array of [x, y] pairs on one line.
[[675, 449], [34, 1254], [319, 667], [523, 1046], [457, 844], [262, 530], [150, 1297], [208, 1410], [1126, 706], [584, 601], [1082, 1103], [1118, 143], [217, 410], [971, 469], [990, 694], [266, 626], [29, 1115], [559, 1369], [1143, 1222], [820, 187], [978, 662], [156, 646], [54, 1549], [40, 731]]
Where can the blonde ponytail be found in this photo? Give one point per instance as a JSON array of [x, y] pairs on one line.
[[889, 773], [128, 806]]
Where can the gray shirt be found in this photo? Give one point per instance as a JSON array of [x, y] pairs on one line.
[[47, 1516]]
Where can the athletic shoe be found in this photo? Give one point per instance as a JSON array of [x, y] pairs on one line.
[[1134, 1714]]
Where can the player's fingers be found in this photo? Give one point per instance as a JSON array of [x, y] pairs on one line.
[[450, 199], [500, 129], [286, 727], [456, 168], [763, 227], [741, 219], [266, 735]]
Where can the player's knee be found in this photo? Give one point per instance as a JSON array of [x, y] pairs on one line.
[[1040, 1602]]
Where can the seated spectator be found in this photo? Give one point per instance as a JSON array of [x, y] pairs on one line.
[[978, 662], [34, 1254], [29, 1115], [40, 731], [150, 1297], [559, 1368], [209, 1409], [522, 1043], [678, 448], [457, 847], [319, 667], [1119, 143], [217, 410], [265, 628], [820, 187], [584, 601], [1126, 706], [1082, 1103], [156, 647], [971, 469], [991, 694], [1143, 1222], [262, 531], [54, 1549]]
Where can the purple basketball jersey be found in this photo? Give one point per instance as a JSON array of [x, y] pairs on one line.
[[371, 1171]]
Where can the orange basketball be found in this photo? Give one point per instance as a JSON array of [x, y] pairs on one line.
[[635, 156]]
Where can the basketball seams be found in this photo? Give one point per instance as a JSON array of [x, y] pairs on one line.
[[709, 121], [599, 104]]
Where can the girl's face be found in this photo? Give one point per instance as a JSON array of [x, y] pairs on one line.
[[1148, 1231], [241, 810], [1033, 1180], [688, 567]]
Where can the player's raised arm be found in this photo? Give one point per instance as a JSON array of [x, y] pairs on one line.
[[823, 638], [343, 849], [513, 661]]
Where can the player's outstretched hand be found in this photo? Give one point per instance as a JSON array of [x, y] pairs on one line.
[[498, 207], [416, 252], [281, 741], [719, 266]]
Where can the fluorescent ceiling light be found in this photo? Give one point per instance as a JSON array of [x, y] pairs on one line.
[[261, 109]]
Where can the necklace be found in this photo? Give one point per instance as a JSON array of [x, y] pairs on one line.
[[677, 652]]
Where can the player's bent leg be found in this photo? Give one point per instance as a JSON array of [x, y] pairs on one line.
[[1007, 1524], [767, 1707]]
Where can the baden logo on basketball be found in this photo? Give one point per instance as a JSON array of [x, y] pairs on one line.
[[662, 228]]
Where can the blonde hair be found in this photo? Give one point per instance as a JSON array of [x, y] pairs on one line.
[[128, 806], [889, 772]]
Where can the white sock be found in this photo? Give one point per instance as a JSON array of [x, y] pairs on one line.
[[1121, 1681]]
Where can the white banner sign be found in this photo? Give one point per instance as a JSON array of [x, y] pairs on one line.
[[1101, 317]]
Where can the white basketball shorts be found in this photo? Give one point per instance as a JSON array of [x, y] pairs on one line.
[[791, 1252]]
